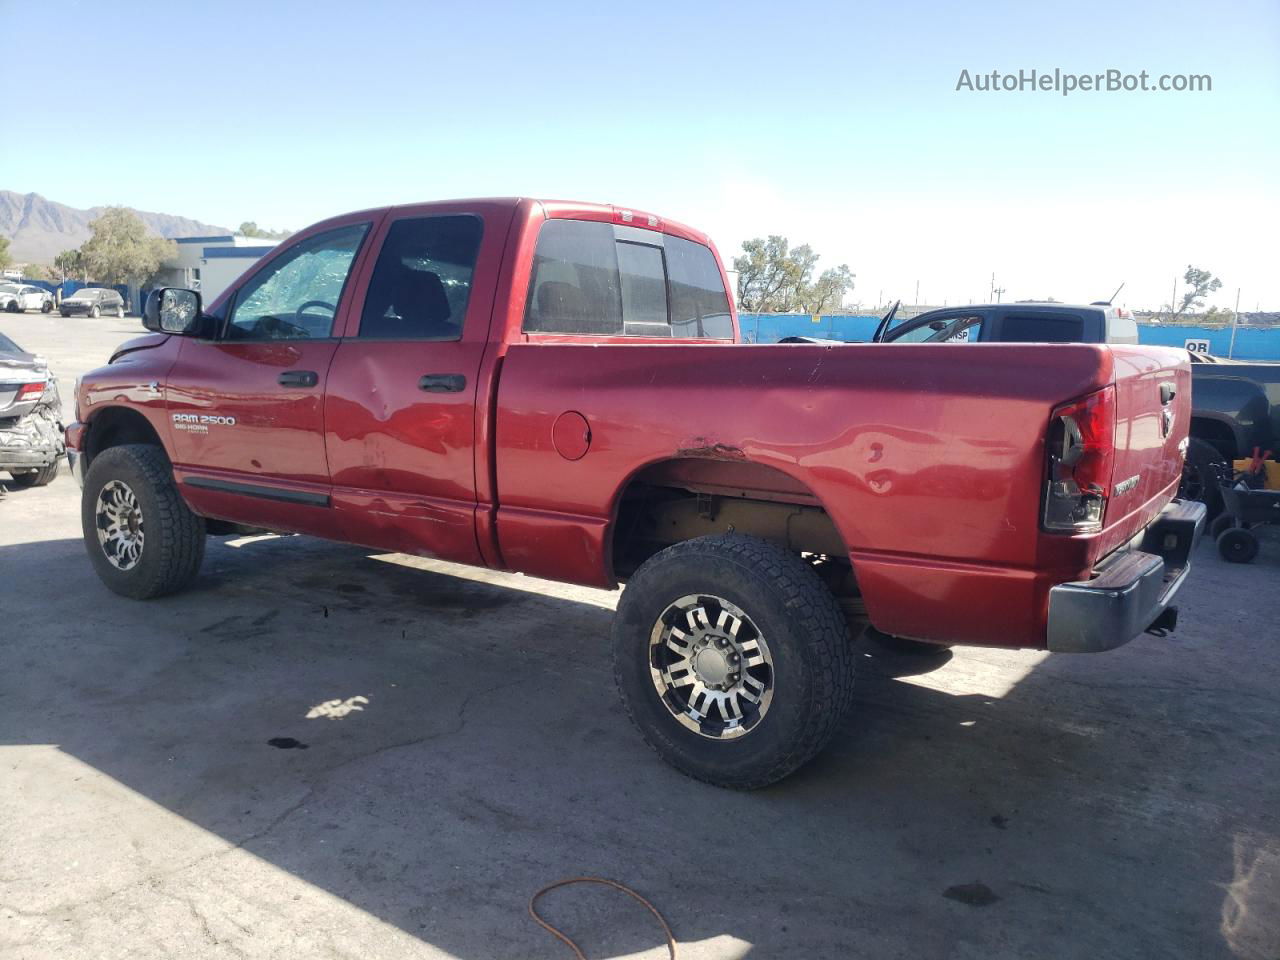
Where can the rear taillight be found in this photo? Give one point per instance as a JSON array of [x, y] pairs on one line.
[[1082, 452], [30, 391]]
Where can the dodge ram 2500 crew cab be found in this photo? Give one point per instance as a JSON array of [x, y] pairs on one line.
[[558, 388]]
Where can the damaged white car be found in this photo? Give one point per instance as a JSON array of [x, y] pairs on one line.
[[31, 441]]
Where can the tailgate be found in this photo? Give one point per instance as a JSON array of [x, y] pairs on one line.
[[1153, 413]]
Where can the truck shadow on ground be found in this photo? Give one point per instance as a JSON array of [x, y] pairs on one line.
[[464, 746]]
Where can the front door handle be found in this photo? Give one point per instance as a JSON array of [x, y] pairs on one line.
[[442, 383], [298, 378]]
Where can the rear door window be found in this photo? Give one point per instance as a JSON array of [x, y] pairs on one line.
[[600, 279], [1041, 328], [422, 280]]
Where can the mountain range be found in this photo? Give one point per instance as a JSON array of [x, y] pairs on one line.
[[40, 229]]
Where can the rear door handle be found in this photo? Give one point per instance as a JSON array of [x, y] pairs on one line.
[[442, 383], [298, 378]]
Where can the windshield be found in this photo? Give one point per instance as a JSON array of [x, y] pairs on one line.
[[8, 288]]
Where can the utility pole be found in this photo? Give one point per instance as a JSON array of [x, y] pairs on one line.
[[991, 295], [1235, 322], [1173, 298], [917, 293]]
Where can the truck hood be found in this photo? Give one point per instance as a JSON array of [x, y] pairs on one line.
[[148, 341]]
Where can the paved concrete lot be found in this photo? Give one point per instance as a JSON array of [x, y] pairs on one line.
[[464, 746]]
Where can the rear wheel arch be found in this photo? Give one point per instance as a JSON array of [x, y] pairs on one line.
[[680, 499], [1218, 434]]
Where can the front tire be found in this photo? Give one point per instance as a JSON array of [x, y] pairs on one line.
[[142, 539], [733, 659], [94, 313]]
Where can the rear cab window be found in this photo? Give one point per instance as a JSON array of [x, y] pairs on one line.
[[603, 279]]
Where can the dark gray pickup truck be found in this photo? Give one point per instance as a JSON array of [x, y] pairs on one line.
[[1235, 408]]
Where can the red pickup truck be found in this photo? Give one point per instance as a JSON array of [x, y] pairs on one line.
[[559, 389]]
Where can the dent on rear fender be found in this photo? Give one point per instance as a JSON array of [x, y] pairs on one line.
[[705, 449]]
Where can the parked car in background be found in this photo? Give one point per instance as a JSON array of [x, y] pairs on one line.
[[93, 302], [561, 389], [31, 441], [17, 297], [1026, 322]]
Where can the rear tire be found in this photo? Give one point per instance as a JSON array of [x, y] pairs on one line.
[[119, 313], [36, 478], [142, 539], [761, 636], [46, 307], [94, 312], [1200, 477]]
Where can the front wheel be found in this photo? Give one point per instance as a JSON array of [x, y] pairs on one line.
[[142, 539], [733, 659], [94, 313]]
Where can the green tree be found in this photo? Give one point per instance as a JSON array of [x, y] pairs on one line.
[[69, 263], [1217, 317], [1199, 283], [121, 250], [828, 290], [5, 259], [774, 277], [37, 271], [251, 229]]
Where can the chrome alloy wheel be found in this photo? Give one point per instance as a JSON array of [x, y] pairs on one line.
[[711, 667], [119, 520]]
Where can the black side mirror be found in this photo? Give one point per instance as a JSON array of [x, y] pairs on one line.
[[173, 310], [937, 324]]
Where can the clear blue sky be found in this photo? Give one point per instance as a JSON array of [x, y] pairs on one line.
[[833, 123]]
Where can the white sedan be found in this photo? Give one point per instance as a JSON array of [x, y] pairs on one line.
[[17, 297]]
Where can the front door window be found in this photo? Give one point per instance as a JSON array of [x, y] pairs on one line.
[[296, 296]]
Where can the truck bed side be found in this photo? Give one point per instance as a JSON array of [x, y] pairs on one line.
[[931, 469]]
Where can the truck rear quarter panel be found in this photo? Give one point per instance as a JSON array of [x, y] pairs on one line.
[[928, 458]]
